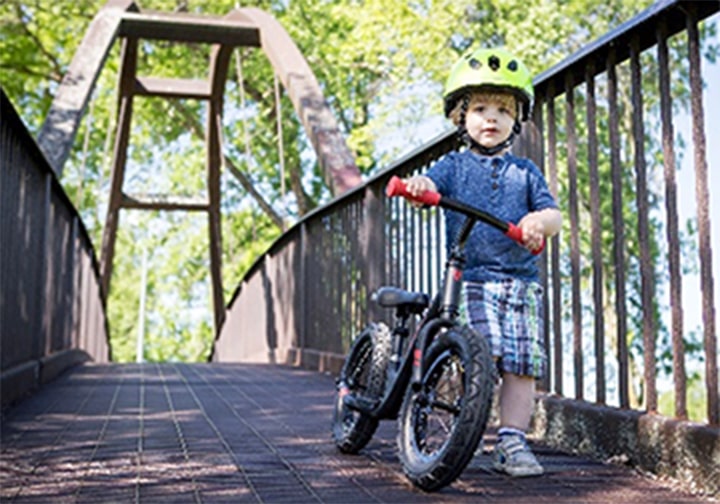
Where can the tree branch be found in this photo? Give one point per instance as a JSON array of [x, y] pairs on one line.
[[57, 72]]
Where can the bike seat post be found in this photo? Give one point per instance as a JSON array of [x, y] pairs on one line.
[[399, 334]]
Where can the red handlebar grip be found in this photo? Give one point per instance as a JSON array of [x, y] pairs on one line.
[[515, 233], [396, 187]]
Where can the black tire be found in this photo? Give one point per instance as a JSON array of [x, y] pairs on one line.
[[363, 374], [441, 424]]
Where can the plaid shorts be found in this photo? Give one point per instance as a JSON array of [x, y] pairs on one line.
[[510, 314]]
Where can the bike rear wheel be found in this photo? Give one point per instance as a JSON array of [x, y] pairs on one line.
[[442, 422], [363, 375]]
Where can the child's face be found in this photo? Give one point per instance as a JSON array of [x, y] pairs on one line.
[[490, 118]]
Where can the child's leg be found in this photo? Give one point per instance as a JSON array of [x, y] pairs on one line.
[[512, 454], [517, 400]]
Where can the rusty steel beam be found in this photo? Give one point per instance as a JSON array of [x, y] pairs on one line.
[[337, 162], [196, 89], [63, 120], [163, 202], [122, 138], [219, 61], [189, 28]]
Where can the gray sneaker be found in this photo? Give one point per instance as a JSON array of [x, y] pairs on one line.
[[513, 456]]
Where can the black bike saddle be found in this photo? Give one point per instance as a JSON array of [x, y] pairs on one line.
[[389, 297]]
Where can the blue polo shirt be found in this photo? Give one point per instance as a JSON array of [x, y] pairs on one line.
[[506, 186]]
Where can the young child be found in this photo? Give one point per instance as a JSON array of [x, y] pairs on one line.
[[488, 93]]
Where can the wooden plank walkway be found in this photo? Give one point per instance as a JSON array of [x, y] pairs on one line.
[[241, 433]]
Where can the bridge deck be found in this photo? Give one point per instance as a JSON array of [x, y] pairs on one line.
[[244, 433]]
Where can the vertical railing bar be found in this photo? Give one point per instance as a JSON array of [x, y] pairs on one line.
[[329, 269], [338, 273], [399, 240], [309, 287], [365, 285], [404, 243], [417, 251], [338, 278], [671, 218], [428, 253], [703, 221], [394, 258], [596, 235], [412, 245], [333, 259], [647, 287], [619, 233], [388, 224], [555, 249], [315, 238], [440, 239], [574, 231], [538, 156], [361, 285], [356, 279], [303, 286], [354, 302], [45, 269], [354, 260], [72, 288], [346, 265]]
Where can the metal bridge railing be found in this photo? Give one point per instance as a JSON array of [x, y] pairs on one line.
[[52, 311], [602, 138]]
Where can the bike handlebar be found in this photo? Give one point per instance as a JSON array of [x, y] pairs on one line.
[[397, 187]]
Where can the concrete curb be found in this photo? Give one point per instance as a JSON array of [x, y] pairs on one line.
[[685, 451], [23, 379]]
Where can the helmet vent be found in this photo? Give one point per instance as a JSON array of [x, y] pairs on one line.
[[494, 62], [474, 64], [513, 66]]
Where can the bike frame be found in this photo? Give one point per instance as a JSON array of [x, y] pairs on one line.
[[407, 354]]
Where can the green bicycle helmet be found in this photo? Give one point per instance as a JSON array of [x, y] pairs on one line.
[[489, 69]]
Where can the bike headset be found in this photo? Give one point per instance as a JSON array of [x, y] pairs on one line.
[[488, 70]]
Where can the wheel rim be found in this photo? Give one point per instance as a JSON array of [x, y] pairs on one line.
[[437, 405]]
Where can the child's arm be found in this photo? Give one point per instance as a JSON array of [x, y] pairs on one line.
[[536, 226]]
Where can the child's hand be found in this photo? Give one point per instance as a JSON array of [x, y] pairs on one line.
[[533, 231], [418, 184]]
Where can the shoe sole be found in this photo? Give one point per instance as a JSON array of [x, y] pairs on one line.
[[519, 472]]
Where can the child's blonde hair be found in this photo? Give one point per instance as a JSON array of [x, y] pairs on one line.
[[506, 100]]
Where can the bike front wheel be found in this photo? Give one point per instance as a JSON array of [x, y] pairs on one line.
[[442, 421], [363, 375]]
